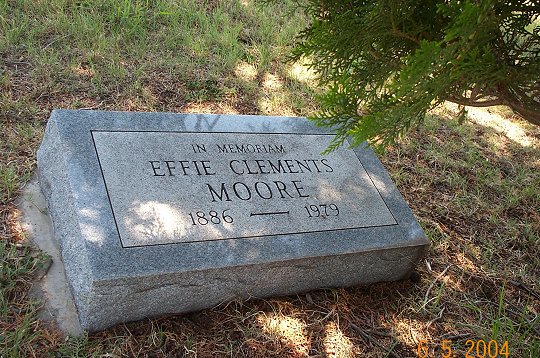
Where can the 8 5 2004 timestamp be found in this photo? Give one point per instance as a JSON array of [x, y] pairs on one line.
[[473, 349]]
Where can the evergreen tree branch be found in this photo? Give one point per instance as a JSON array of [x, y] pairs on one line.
[[385, 63], [473, 103], [405, 36]]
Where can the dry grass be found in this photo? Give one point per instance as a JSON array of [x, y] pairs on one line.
[[474, 189]]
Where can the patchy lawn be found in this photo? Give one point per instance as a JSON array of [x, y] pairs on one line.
[[473, 187]]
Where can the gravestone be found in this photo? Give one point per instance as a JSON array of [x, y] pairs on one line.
[[159, 213]]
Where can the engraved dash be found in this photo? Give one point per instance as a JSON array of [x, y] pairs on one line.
[[270, 213]]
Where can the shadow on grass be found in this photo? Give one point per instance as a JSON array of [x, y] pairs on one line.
[[333, 322]]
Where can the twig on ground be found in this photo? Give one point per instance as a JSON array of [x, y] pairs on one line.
[[436, 318], [368, 338], [527, 289], [455, 336], [378, 333], [53, 41], [93, 107], [428, 266], [433, 284]]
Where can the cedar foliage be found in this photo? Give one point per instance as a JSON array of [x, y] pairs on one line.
[[385, 63]]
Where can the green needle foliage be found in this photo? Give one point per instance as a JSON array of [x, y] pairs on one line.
[[385, 63]]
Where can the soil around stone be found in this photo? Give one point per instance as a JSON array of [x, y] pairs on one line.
[[50, 286]]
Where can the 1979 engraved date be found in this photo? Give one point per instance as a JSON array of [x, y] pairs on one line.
[[322, 210]]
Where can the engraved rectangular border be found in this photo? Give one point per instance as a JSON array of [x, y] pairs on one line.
[[239, 237]]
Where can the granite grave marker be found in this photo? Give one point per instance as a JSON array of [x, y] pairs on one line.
[[162, 213]]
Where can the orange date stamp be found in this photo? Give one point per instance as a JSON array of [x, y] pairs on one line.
[[473, 349]]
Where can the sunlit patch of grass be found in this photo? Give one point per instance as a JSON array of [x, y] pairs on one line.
[[209, 107], [289, 329], [336, 343], [245, 71], [275, 104], [301, 72]]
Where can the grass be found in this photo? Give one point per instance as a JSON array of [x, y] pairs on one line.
[[473, 187], [19, 325]]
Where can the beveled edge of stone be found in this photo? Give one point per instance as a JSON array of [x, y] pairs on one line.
[[193, 291]]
